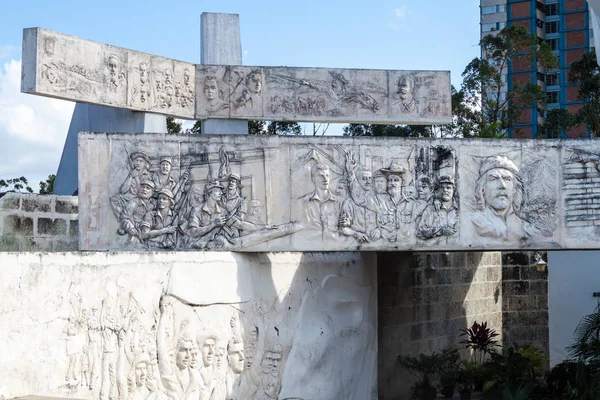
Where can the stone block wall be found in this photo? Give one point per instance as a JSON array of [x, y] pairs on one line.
[[31, 222], [420, 315], [524, 301]]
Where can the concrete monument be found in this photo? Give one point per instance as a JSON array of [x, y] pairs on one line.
[[71, 68], [299, 193]]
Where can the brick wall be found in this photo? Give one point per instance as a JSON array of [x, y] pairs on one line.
[[31, 222], [419, 315], [524, 301]]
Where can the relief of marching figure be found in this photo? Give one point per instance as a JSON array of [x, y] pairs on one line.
[[122, 352], [377, 205], [161, 210]]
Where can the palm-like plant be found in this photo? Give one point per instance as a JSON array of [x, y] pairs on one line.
[[480, 339]]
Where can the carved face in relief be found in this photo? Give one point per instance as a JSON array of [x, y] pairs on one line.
[[143, 72], [215, 194], [405, 87], [210, 88], [220, 357], [49, 45], [139, 163], [141, 372], [499, 188], [194, 356], [235, 357], [410, 192], [164, 201], [424, 189], [380, 184], [341, 189], [272, 363], [186, 76], [232, 187], [254, 82], [394, 184], [446, 191], [113, 65], [143, 94], [208, 352], [165, 167], [184, 354], [145, 191], [320, 176], [168, 77], [366, 179]]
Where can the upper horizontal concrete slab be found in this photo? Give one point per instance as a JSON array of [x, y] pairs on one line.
[[249, 193], [71, 68]]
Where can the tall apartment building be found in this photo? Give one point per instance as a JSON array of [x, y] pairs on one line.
[[565, 26]]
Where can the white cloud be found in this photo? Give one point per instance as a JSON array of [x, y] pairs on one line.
[[5, 51], [399, 19], [32, 128]]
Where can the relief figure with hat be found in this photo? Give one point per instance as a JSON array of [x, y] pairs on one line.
[[499, 198], [439, 222], [139, 171]]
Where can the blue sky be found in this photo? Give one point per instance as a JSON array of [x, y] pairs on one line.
[[410, 34]]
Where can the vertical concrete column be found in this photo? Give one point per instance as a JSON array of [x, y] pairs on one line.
[[220, 43], [93, 118]]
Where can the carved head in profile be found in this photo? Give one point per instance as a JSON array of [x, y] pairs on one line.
[[338, 82], [211, 90], [424, 188], [235, 355], [499, 185], [320, 176], [254, 81], [406, 87]]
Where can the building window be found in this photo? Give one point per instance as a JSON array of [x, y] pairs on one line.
[[552, 79], [494, 26], [493, 9], [552, 27], [553, 43], [541, 77], [551, 97], [551, 9]]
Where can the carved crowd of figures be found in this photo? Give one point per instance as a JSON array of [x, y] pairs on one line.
[[117, 351], [384, 207], [164, 212]]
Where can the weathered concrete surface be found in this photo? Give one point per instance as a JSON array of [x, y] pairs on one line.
[[71, 68], [30, 222], [299, 193], [221, 44], [90, 325]]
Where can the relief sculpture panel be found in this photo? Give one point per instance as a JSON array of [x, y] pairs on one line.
[[71, 68], [128, 327], [171, 192]]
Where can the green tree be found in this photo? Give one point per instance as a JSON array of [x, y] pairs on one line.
[[256, 127], [557, 121], [483, 80], [173, 125], [15, 185], [283, 128], [47, 186], [587, 72]]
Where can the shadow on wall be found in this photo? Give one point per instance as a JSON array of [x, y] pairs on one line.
[[423, 315]]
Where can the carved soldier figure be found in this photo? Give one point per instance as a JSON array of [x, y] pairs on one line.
[[74, 348], [424, 193], [321, 207], [408, 103], [136, 381], [140, 164], [499, 197], [94, 345], [207, 218], [407, 214], [158, 227], [109, 328], [135, 211], [440, 219]]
